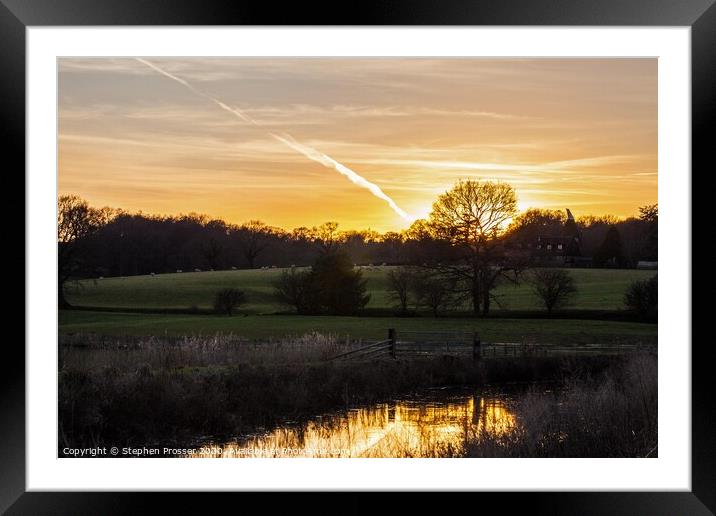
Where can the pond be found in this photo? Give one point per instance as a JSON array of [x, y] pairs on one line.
[[436, 424]]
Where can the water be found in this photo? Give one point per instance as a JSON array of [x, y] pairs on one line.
[[436, 425]]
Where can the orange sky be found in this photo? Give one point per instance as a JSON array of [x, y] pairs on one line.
[[566, 133]]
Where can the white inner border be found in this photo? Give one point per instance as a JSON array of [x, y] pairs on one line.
[[670, 471]]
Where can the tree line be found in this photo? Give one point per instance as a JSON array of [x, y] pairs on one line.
[[472, 240]]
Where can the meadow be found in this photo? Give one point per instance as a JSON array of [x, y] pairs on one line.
[[144, 360], [132, 306], [263, 327], [597, 289]]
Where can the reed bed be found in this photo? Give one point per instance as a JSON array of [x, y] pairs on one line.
[[137, 392]]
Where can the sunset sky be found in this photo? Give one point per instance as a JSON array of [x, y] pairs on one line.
[[566, 133]]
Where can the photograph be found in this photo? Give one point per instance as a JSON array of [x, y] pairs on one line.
[[401, 247], [357, 257]]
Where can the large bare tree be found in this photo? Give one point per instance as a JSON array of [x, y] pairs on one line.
[[254, 236], [326, 236], [76, 222], [471, 217]]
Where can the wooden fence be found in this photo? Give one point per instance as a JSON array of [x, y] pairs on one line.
[[414, 344]]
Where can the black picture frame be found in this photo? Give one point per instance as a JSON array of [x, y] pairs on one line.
[[16, 15]]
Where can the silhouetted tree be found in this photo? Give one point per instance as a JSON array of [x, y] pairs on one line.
[[401, 281], [391, 246], [553, 287], [526, 227], [297, 289], [254, 236], [332, 286], [326, 236], [435, 292], [593, 230], [212, 252], [357, 245], [649, 214], [76, 223], [136, 243], [424, 248], [228, 299], [610, 252], [642, 297], [470, 217], [341, 289]]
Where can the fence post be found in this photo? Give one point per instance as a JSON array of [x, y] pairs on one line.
[[476, 347], [391, 338]]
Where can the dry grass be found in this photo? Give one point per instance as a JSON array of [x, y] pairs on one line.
[[612, 414], [94, 353], [139, 392]]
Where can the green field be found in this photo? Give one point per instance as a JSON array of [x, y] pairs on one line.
[[597, 289], [546, 331]]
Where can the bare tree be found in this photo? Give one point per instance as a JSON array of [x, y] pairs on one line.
[[212, 252], [326, 236], [254, 236], [649, 212], [526, 227], [401, 281], [553, 287], [76, 222], [471, 217], [435, 292], [649, 215]]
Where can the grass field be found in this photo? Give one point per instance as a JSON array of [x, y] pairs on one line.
[[597, 289], [547, 331]]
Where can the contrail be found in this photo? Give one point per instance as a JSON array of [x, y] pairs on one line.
[[181, 81], [290, 142], [329, 162]]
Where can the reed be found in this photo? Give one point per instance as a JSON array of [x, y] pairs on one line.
[[136, 392]]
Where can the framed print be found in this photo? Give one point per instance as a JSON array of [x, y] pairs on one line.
[[409, 249]]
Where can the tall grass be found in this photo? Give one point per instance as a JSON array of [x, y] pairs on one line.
[[137, 392], [610, 414], [95, 352]]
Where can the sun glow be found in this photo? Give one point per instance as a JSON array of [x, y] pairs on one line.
[[401, 130]]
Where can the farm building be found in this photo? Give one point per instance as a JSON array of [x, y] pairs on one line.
[[562, 247]]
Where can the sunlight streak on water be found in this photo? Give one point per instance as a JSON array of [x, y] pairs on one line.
[[398, 429]]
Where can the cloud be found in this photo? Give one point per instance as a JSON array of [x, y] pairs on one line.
[[411, 126]]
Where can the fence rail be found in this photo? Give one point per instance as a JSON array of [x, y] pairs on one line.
[[430, 344], [371, 350]]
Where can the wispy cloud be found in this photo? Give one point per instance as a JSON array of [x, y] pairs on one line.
[[562, 131]]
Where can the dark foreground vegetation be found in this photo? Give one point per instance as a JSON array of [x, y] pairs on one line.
[[598, 412], [154, 392]]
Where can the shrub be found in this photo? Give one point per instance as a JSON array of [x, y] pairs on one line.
[[553, 287], [226, 300], [341, 289], [642, 298], [296, 289], [331, 287]]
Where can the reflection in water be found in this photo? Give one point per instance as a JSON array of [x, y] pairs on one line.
[[398, 429]]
